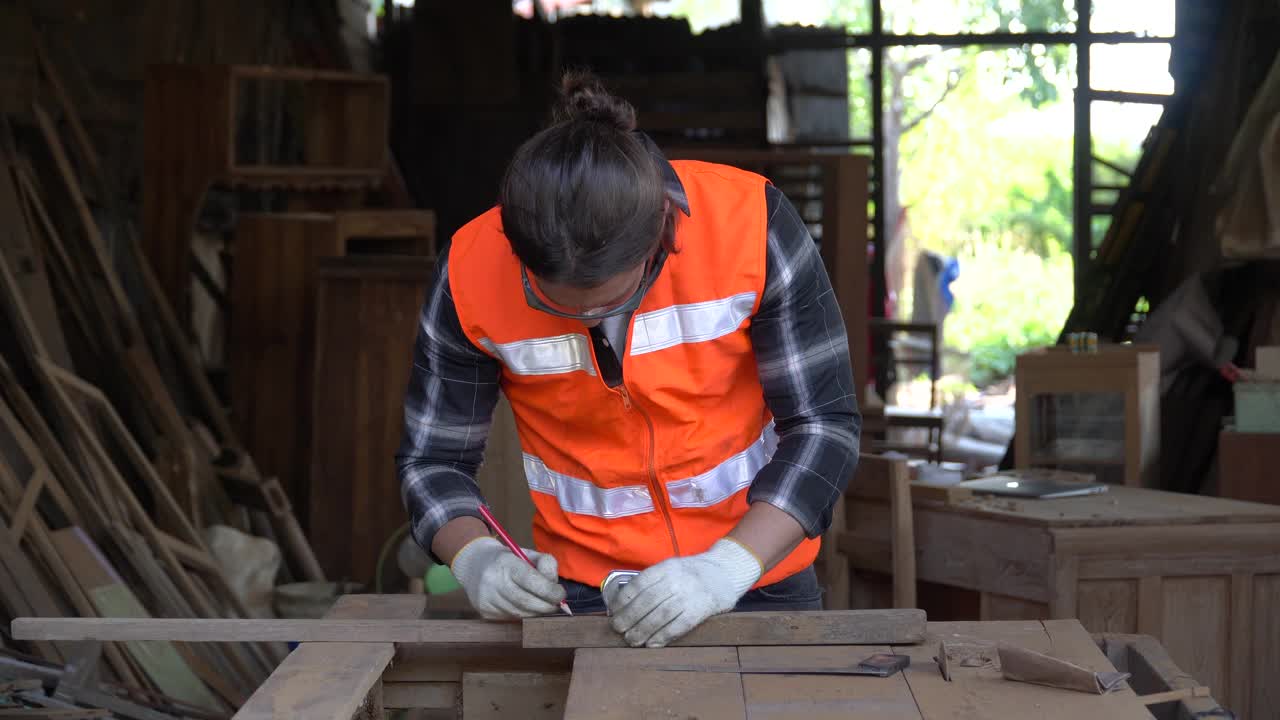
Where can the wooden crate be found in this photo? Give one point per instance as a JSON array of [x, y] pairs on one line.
[[196, 119], [1200, 574], [1127, 378], [830, 192]]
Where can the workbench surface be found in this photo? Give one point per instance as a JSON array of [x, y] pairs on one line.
[[611, 684]]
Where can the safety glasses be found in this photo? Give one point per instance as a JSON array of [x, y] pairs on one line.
[[536, 301]]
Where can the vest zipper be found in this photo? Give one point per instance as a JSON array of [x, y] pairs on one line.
[[659, 497]]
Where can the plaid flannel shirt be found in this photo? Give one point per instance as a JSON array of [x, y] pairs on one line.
[[802, 354]]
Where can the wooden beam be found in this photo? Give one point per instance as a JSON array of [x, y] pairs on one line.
[[836, 627], [238, 630], [1172, 695]]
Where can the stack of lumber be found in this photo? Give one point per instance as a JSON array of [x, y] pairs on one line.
[[115, 454]]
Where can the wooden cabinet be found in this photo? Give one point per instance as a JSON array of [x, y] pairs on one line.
[[1200, 574], [252, 127], [1091, 412]]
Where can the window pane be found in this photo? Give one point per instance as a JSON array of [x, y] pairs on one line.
[[1119, 129], [851, 15], [1146, 17], [1132, 67], [947, 17], [978, 168]]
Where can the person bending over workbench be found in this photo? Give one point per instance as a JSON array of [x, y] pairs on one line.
[[671, 347]]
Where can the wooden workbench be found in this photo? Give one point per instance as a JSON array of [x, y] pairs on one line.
[[491, 680], [1200, 574]]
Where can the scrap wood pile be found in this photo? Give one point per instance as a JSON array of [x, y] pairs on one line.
[[121, 477]]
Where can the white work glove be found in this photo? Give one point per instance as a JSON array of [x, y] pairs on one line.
[[501, 586], [673, 597]]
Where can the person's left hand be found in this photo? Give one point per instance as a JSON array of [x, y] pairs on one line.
[[671, 598]]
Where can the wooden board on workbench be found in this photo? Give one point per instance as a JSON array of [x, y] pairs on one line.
[[325, 681], [617, 684], [991, 696], [1121, 505], [504, 695], [834, 627]]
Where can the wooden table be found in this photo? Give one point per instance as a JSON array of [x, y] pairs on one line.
[[617, 684], [1200, 574]]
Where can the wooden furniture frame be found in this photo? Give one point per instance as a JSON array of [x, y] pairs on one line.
[[885, 480], [192, 114], [1133, 372], [481, 670], [1199, 574], [879, 422], [836, 215]]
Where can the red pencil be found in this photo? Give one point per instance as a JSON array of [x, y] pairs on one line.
[[511, 545]]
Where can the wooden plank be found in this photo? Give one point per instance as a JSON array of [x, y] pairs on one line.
[[993, 606], [430, 695], [1265, 662], [904, 543], [1151, 606], [831, 627], [271, 339], [24, 266], [1109, 606], [329, 681], [60, 384], [499, 696], [1063, 585], [159, 660], [1240, 644], [982, 693], [1172, 695], [30, 586], [351, 630], [1196, 626], [781, 697], [614, 684], [363, 347], [27, 505]]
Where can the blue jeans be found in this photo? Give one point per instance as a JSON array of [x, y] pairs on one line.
[[797, 592]]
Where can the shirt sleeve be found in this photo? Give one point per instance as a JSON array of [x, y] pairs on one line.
[[448, 410], [802, 351]]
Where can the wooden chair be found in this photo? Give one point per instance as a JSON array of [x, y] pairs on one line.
[[916, 347], [846, 549]]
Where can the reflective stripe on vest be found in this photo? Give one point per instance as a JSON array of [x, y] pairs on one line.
[[544, 356], [721, 482], [690, 323]]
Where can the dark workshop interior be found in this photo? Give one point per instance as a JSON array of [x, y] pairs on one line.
[[1051, 229]]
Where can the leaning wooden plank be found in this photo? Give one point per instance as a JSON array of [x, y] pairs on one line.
[[329, 681], [834, 627], [159, 660], [238, 630]]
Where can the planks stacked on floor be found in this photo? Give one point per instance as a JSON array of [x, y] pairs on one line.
[[111, 444]]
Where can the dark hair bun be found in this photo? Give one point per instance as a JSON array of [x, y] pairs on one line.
[[583, 98]]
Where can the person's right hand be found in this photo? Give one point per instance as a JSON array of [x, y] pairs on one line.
[[501, 586]]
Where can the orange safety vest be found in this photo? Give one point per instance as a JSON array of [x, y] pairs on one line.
[[623, 478]]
